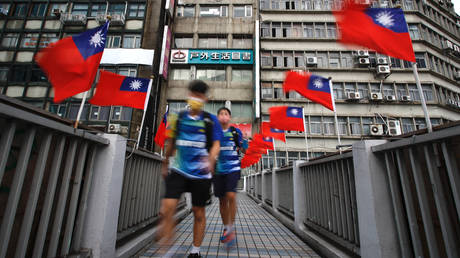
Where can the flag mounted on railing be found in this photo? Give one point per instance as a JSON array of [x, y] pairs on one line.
[[161, 132], [118, 90], [262, 141], [287, 118], [71, 63], [312, 87], [273, 132], [381, 29]]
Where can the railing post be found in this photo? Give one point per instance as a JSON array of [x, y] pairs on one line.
[[100, 228], [299, 191], [263, 180], [377, 230], [245, 184], [275, 199]]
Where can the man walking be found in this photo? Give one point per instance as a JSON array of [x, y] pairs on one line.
[[228, 174], [194, 135]]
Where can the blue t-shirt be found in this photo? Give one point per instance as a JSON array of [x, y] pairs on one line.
[[191, 159], [229, 161]]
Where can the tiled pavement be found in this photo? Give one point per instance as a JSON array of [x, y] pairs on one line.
[[258, 233]]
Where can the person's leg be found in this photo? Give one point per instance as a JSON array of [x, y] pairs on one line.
[[231, 200], [200, 195], [223, 206], [219, 192]]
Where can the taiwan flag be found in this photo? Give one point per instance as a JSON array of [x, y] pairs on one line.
[[118, 90], [249, 160], [71, 63], [263, 141], [273, 132], [381, 29], [287, 118], [161, 132], [312, 87]]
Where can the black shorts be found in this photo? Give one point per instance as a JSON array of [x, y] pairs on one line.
[[177, 184], [224, 183]]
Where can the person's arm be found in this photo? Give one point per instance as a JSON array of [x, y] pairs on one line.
[[169, 150], [213, 153]]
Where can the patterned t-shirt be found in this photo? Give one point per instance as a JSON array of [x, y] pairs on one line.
[[191, 159], [229, 161]]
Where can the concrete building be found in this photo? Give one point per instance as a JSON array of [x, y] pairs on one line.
[[376, 96], [27, 26], [214, 42]]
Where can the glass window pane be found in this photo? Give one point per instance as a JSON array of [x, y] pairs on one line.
[[238, 11], [10, 40], [80, 9], [38, 10], [20, 10]]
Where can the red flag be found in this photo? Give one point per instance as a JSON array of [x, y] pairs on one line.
[[381, 29], [71, 63], [287, 118], [117, 90], [160, 137], [273, 132], [313, 87], [249, 160], [263, 141]]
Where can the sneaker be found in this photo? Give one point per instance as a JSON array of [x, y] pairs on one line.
[[195, 255], [231, 240], [224, 236], [227, 237]]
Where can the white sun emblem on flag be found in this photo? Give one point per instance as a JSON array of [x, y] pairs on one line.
[[385, 18], [135, 85], [294, 111], [97, 39], [318, 83]]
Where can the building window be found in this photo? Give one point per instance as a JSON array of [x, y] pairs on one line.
[[428, 92], [367, 122], [98, 9], [355, 126], [48, 38], [242, 11], [242, 42], [20, 10], [241, 75], [388, 90], [99, 113], [37, 75], [81, 9], [407, 125], [363, 90], [210, 74], [18, 73], [320, 31], [183, 41], [308, 30], [3, 74], [331, 31], [180, 74], [127, 71], [334, 60], [116, 113], [265, 59], [395, 63], [267, 90], [4, 8], [60, 110], [213, 11], [277, 59], [29, 40], [342, 125], [420, 59], [287, 29], [420, 123], [315, 125], [413, 92], [414, 32], [241, 110], [401, 90], [186, 11], [265, 30], [131, 41], [328, 125], [338, 91], [113, 42], [322, 59], [176, 107], [10, 40], [276, 30], [38, 10], [212, 42], [136, 10], [349, 87], [58, 8], [264, 4], [347, 60], [116, 8]]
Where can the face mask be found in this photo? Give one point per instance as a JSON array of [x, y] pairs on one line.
[[195, 103]]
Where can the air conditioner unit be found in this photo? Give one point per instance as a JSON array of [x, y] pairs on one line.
[[406, 98], [363, 53], [114, 128], [390, 98], [394, 127], [364, 61], [383, 69], [353, 95], [376, 96], [312, 61], [382, 61], [376, 129]]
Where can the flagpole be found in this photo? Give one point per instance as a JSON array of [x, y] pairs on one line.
[[422, 98], [335, 114], [143, 115], [80, 110], [305, 131], [286, 148], [275, 163]]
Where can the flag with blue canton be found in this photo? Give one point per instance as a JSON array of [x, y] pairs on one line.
[[135, 84], [91, 41]]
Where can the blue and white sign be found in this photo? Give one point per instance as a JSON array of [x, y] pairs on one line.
[[212, 56]]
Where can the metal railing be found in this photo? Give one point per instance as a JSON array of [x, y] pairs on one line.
[[141, 194], [46, 169], [424, 181], [285, 190], [268, 187], [331, 199], [258, 183]]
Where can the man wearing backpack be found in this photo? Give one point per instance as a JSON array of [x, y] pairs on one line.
[[227, 174], [194, 135]]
